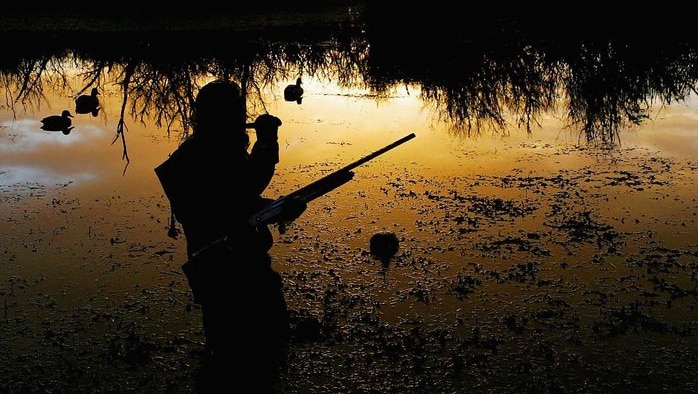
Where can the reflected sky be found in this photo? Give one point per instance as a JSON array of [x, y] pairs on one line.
[[563, 224], [29, 154], [87, 157], [333, 125], [672, 130]]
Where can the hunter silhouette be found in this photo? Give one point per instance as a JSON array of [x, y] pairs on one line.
[[214, 183]]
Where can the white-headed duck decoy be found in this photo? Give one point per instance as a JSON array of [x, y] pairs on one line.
[[86, 104], [294, 92], [60, 122]]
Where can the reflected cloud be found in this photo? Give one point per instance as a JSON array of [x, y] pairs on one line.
[[13, 175], [31, 155], [25, 135]]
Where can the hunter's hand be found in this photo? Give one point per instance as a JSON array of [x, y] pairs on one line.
[[267, 127], [293, 209], [290, 210]]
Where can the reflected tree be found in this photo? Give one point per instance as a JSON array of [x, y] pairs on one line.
[[504, 67], [492, 73], [611, 85], [158, 81], [25, 86]]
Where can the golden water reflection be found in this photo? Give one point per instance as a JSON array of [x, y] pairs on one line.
[[332, 127], [494, 228]]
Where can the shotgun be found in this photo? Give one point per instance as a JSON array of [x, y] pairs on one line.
[[275, 211]]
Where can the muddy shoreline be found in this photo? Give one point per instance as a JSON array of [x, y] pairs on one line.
[[547, 280]]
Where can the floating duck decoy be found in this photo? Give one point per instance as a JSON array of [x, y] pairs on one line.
[[294, 92], [60, 122], [88, 104], [384, 245]]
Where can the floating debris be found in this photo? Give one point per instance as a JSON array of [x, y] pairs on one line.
[[384, 245]]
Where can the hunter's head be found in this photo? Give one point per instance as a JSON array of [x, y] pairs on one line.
[[219, 109]]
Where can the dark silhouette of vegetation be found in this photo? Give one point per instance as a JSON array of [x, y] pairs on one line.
[[603, 67], [491, 72]]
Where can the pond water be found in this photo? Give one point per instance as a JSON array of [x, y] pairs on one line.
[[528, 262]]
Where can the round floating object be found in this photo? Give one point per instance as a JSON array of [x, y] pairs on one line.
[[384, 244]]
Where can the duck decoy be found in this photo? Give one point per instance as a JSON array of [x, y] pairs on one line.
[[60, 122], [384, 245], [88, 104], [294, 92]]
